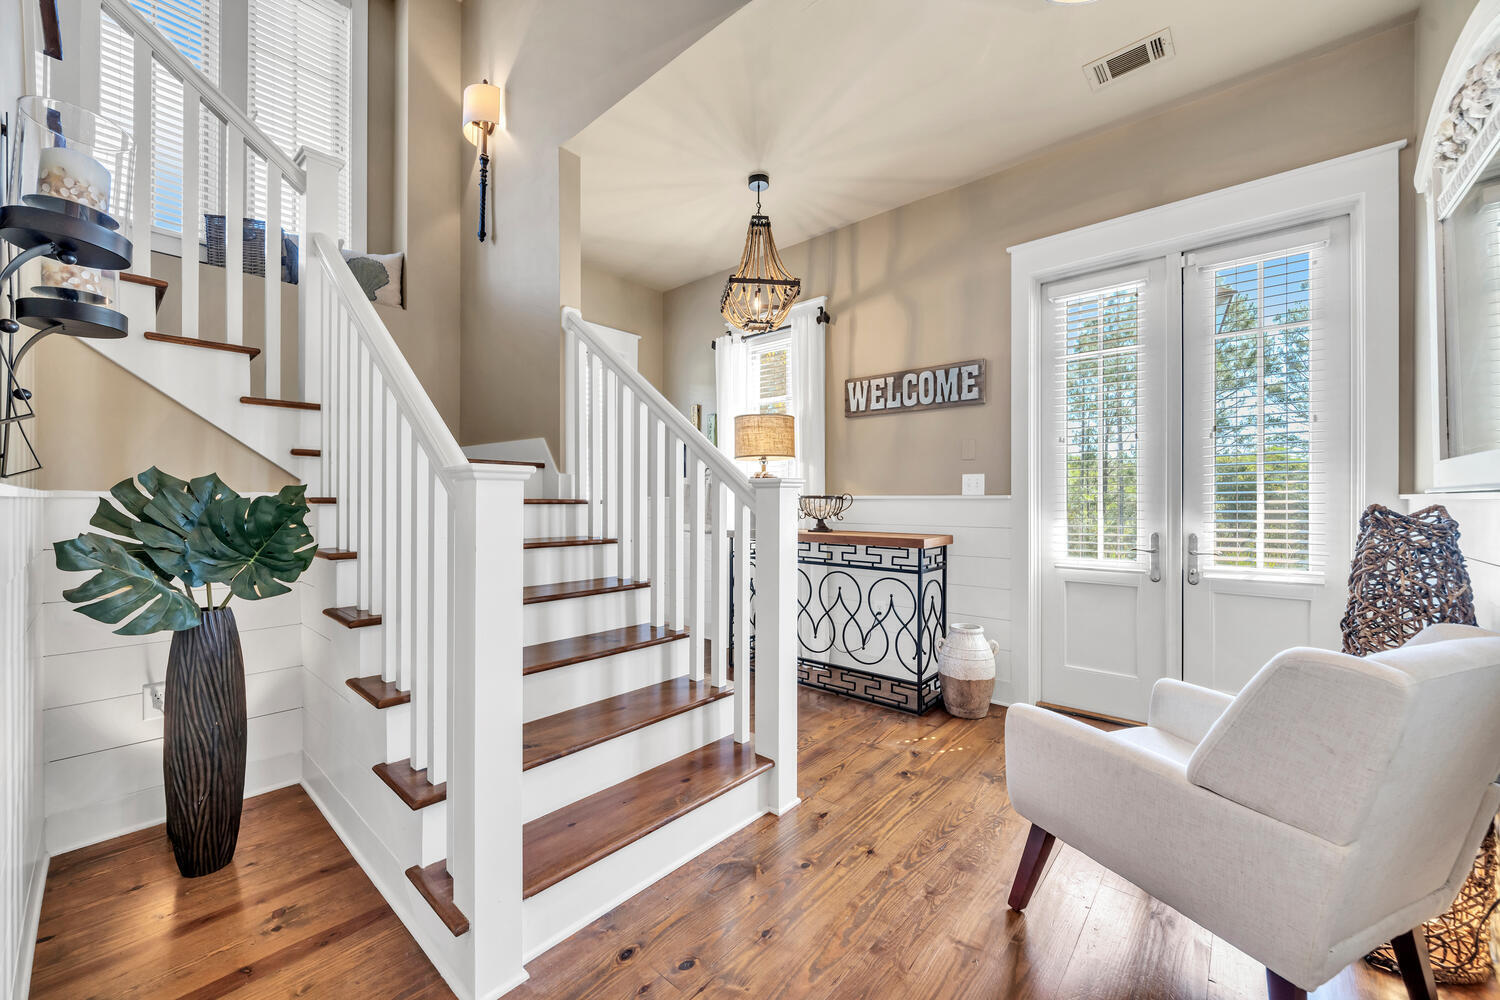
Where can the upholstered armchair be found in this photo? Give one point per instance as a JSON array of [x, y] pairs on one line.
[[1335, 804]]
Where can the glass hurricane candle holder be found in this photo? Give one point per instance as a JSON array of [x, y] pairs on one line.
[[69, 160]]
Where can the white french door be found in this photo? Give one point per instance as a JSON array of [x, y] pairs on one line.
[[1197, 460]]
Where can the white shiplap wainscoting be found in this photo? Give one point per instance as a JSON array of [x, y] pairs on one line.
[[979, 572], [1478, 516], [103, 756], [23, 858]]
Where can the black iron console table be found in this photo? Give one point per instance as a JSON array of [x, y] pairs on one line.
[[870, 606]]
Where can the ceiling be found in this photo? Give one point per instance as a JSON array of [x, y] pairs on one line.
[[855, 107]]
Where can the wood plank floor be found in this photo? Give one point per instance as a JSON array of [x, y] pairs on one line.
[[888, 881]]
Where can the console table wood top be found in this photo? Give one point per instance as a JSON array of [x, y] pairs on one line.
[[885, 539]]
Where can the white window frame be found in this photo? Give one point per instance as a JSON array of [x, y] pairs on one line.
[[779, 339], [1363, 185], [234, 82]]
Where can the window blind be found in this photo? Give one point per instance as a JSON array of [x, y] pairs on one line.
[[1266, 386], [193, 27], [1098, 372], [300, 65]]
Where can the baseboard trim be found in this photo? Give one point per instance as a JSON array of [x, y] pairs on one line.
[[34, 893]]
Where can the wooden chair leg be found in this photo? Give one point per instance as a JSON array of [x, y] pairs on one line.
[[1416, 970], [1029, 872], [1279, 989]]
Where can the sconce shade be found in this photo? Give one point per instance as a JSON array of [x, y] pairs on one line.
[[764, 435], [481, 104]]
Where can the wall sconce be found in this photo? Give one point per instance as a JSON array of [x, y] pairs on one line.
[[482, 113]]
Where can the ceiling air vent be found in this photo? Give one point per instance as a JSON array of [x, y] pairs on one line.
[[1136, 55]]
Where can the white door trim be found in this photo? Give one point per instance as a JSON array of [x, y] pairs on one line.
[[1364, 185]]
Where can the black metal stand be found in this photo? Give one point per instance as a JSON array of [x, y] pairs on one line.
[[859, 612]]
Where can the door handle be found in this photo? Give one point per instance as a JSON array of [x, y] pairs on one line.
[[1155, 551], [1193, 552]]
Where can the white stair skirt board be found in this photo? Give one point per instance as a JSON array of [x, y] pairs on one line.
[[573, 616], [551, 786], [32, 915], [559, 564], [549, 520], [558, 911], [210, 383], [561, 688], [448, 954], [346, 739]]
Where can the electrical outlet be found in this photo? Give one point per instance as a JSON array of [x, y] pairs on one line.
[[973, 484], [153, 699]]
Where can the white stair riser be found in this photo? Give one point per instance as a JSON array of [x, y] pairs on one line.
[[308, 470], [332, 583], [554, 913], [560, 782], [549, 520], [344, 735], [552, 620], [568, 562], [557, 690], [337, 654]]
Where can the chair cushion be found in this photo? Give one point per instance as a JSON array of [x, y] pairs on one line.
[[1159, 742]]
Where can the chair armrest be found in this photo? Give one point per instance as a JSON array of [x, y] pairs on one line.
[[1187, 711]]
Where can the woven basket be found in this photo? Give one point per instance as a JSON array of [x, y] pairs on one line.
[[1408, 573]]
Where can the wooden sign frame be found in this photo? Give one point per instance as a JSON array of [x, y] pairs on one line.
[[957, 383]]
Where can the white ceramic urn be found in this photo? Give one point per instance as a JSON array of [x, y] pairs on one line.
[[966, 663]]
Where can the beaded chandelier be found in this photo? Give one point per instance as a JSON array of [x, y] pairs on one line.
[[760, 292]]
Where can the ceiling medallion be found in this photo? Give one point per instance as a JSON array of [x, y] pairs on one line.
[[760, 292]]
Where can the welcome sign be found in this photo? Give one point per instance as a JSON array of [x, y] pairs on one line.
[[958, 384]]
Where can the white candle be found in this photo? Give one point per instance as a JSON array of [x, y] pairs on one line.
[[65, 172], [76, 278]]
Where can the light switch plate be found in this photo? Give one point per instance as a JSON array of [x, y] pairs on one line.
[[973, 484], [151, 699], [966, 450]]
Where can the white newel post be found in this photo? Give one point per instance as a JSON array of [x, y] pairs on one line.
[[484, 781], [775, 683], [320, 214]]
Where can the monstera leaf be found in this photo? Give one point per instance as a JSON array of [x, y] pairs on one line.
[[159, 515], [256, 546], [122, 585]]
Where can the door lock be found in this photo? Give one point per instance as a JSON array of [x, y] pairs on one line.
[[1193, 552], [1155, 553]]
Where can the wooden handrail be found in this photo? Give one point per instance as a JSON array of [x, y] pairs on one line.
[[723, 469], [399, 378], [127, 17]]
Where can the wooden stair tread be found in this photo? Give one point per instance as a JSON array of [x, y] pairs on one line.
[[565, 842], [436, 886], [552, 500], [352, 617], [308, 452], [321, 499], [541, 592], [140, 279], [288, 404], [378, 691], [576, 649], [557, 736], [336, 554], [411, 785], [506, 461], [213, 345], [566, 541]]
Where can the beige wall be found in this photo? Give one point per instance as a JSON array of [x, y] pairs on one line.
[[930, 282], [97, 424], [562, 63], [618, 302]]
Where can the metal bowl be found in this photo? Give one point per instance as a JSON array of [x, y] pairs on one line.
[[822, 508]]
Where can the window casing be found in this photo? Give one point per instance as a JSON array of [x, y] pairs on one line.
[[769, 387]]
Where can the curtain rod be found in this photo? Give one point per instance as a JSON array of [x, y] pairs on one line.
[[822, 317]]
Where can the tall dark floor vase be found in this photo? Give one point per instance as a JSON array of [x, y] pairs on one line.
[[203, 762]]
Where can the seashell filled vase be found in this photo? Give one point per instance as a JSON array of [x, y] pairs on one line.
[[966, 664]]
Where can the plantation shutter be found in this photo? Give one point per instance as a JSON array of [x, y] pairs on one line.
[[1266, 399], [300, 65], [193, 27], [1099, 356]]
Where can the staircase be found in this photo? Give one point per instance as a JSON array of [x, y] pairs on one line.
[[518, 709]]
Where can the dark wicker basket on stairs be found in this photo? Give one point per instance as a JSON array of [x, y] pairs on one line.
[[1408, 573]]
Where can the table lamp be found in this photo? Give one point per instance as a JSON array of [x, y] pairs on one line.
[[764, 436]]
